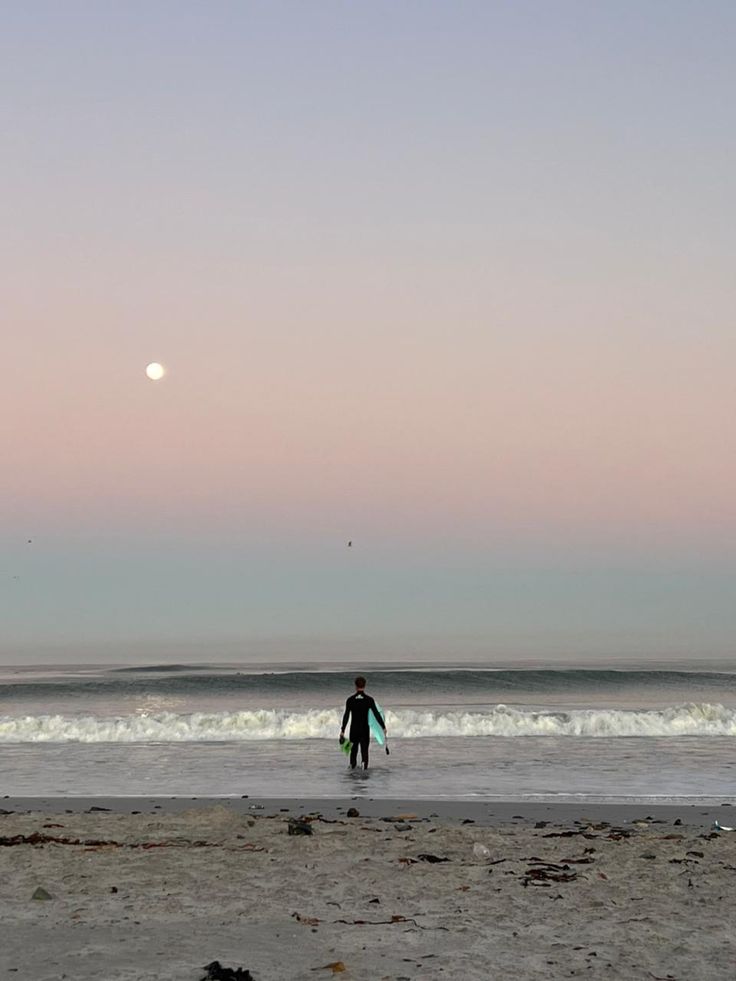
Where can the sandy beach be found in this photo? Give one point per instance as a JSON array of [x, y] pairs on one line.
[[158, 889]]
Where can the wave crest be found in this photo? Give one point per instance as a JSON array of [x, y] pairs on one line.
[[504, 721]]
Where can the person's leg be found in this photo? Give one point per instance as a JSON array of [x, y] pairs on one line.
[[353, 753], [364, 751]]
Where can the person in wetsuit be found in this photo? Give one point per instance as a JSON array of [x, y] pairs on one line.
[[356, 709]]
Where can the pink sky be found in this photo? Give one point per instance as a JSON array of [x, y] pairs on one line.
[[443, 283]]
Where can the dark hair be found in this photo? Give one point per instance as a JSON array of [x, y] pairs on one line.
[[360, 681]]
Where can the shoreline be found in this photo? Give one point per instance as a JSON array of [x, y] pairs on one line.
[[484, 813]]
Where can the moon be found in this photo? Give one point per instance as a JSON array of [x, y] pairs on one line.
[[155, 371]]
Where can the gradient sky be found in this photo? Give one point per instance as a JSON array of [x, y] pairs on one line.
[[452, 280]]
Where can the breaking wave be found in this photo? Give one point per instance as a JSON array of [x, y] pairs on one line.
[[681, 720]]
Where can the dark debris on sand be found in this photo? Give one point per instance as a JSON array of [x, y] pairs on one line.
[[300, 826], [216, 972]]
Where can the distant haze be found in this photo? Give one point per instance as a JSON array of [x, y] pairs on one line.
[[451, 281]]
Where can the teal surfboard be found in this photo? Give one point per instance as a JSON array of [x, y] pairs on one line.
[[375, 725]]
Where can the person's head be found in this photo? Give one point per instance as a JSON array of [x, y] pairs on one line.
[[360, 682]]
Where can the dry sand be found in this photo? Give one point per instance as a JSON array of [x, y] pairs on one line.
[[162, 893]]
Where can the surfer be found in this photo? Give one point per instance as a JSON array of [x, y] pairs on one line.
[[357, 708]]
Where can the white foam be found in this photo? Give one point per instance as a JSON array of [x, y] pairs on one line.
[[681, 720]]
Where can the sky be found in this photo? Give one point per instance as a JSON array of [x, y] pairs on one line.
[[451, 281]]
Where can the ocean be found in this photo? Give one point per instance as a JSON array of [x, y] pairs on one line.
[[477, 733]]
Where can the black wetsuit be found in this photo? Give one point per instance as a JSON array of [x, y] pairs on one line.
[[356, 709]]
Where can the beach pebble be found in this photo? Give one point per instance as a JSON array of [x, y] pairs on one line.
[[481, 852], [353, 812], [298, 826], [41, 893]]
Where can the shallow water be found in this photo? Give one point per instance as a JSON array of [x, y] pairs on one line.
[[535, 768]]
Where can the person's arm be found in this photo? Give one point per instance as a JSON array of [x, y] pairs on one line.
[[346, 716]]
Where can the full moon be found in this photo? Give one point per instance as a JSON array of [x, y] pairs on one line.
[[155, 371]]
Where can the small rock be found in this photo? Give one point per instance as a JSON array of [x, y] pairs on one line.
[[677, 821], [41, 893], [298, 826], [649, 855], [353, 812]]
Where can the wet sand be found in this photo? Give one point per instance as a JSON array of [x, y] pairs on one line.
[[484, 812], [399, 891]]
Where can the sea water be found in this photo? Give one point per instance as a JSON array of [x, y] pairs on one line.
[[483, 733]]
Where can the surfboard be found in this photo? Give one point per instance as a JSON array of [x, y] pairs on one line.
[[375, 725]]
